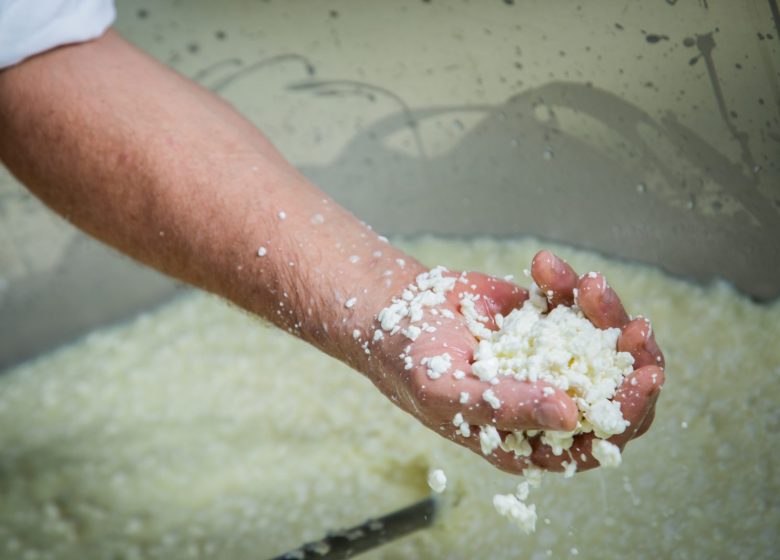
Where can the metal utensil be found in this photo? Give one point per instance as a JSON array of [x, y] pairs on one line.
[[350, 542]]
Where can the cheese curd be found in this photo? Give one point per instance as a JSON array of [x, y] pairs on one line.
[[564, 349], [437, 480], [606, 453]]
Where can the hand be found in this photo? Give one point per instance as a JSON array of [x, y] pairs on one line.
[[435, 402], [524, 405]]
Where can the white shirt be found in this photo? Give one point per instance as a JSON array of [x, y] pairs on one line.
[[29, 27]]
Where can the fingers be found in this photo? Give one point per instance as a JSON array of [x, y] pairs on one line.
[[637, 396], [520, 406], [599, 302], [638, 340], [648, 420], [554, 278], [521, 409]]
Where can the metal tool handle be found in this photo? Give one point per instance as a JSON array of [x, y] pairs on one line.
[[371, 534]]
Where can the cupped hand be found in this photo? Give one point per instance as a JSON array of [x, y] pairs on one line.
[[402, 368], [437, 401]]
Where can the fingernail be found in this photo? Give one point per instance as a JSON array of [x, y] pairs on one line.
[[603, 285], [557, 264]]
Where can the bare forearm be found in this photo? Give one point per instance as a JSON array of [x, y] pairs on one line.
[[164, 171]]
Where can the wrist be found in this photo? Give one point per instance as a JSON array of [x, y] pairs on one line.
[[359, 340]]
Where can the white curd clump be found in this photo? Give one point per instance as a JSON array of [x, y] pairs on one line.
[[437, 480], [561, 348], [564, 349], [514, 506], [606, 453], [428, 291]]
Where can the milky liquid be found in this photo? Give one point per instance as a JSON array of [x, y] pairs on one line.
[[195, 431]]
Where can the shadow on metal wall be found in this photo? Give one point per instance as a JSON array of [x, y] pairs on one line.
[[518, 171]]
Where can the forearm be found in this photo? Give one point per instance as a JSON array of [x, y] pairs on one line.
[[166, 172]]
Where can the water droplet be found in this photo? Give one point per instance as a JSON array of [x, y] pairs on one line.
[[641, 187], [756, 168], [548, 153]]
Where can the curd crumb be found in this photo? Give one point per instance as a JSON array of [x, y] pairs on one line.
[[508, 505], [489, 439], [490, 397], [437, 480], [606, 453]]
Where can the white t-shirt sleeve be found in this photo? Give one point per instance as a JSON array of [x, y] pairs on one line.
[[29, 27]]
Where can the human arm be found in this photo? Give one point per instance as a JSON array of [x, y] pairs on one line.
[[166, 172]]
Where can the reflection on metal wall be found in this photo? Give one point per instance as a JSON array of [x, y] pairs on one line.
[[647, 130]]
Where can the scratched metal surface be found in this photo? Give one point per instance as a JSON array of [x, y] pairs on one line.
[[646, 130]]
